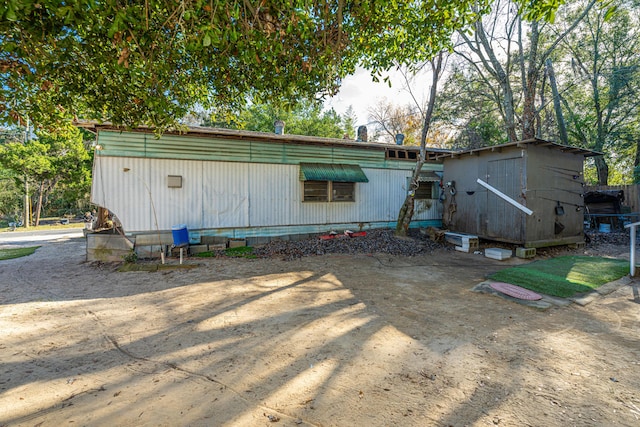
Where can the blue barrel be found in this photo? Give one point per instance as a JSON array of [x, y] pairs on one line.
[[180, 235]]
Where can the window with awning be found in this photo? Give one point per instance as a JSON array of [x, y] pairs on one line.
[[327, 182], [331, 172]]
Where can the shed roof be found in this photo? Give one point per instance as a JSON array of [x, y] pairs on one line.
[[521, 144], [233, 134]]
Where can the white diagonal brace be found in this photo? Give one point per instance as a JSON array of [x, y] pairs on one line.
[[505, 197]]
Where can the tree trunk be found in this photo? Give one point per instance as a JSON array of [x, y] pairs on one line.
[[562, 128], [39, 204], [602, 169], [406, 211]]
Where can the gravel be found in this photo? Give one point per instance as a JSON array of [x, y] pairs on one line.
[[417, 243], [375, 241]]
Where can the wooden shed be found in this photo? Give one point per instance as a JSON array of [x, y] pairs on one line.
[[528, 193]]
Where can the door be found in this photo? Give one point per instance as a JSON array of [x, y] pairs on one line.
[[505, 221]]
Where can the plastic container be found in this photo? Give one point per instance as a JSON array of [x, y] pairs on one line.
[[180, 235], [604, 228]]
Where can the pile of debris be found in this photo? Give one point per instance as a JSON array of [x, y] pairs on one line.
[[375, 241], [595, 238]]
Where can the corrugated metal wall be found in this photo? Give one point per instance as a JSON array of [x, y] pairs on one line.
[[218, 195], [138, 144]]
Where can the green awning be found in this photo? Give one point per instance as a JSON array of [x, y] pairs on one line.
[[331, 172]]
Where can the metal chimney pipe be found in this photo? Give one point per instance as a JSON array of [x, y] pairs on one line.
[[279, 125], [362, 134]]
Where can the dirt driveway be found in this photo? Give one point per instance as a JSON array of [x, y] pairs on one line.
[[333, 340]]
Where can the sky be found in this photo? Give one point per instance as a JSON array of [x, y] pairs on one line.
[[361, 92]]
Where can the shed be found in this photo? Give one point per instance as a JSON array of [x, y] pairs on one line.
[[528, 193], [230, 184]]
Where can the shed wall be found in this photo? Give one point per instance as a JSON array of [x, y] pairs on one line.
[[537, 177], [555, 179]]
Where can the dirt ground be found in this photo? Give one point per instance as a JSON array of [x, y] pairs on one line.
[[332, 340]]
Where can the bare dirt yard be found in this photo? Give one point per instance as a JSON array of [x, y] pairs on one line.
[[361, 339]]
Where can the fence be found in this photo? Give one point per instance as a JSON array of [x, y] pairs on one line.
[[631, 194]]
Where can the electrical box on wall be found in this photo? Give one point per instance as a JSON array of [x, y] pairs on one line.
[[174, 181]]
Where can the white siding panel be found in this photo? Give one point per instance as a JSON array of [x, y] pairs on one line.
[[177, 205], [274, 195], [225, 195], [235, 195]]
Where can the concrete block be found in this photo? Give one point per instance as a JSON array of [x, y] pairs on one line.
[[465, 241], [497, 253], [236, 243], [156, 239], [217, 247], [198, 249], [525, 252]]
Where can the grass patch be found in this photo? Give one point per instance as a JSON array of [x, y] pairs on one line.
[[564, 276], [149, 268], [238, 252], [17, 252]]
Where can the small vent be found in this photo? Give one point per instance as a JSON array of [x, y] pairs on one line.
[[174, 181]]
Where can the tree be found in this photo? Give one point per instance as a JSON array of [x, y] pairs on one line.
[[390, 120], [151, 62], [51, 159], [602, 89], [513, 59], [470, 109], [406, 210]]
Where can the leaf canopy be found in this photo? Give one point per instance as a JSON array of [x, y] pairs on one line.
[[151, 62]]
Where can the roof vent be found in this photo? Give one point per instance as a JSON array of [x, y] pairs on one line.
[[362, 134], [279, 125], [399, 138]]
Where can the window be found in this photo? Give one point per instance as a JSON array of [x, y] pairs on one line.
[[427, 185], [316, 191], [343, 191], [324, 182], [329, 191], [424, 191]]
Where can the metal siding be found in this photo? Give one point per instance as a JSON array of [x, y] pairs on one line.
[[137, 144], [225, 194], [124, 194], [274, 195], [176, 206], [228, 195]]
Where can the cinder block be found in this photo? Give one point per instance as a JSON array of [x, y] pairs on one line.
[[525, 252], [236, 243], [497, 253], [198, 249], [465, 241]]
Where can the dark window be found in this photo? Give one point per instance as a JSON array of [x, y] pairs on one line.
[[319, 191], [316, 191], [343, 191], [424, 191]]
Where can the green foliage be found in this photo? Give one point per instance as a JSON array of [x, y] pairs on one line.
[[240, 252], [131, 257], [16, 253], [152, 62], [56, 163]]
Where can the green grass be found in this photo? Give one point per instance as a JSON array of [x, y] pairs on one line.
[[564, 276], [238, 252], [17, 252]]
